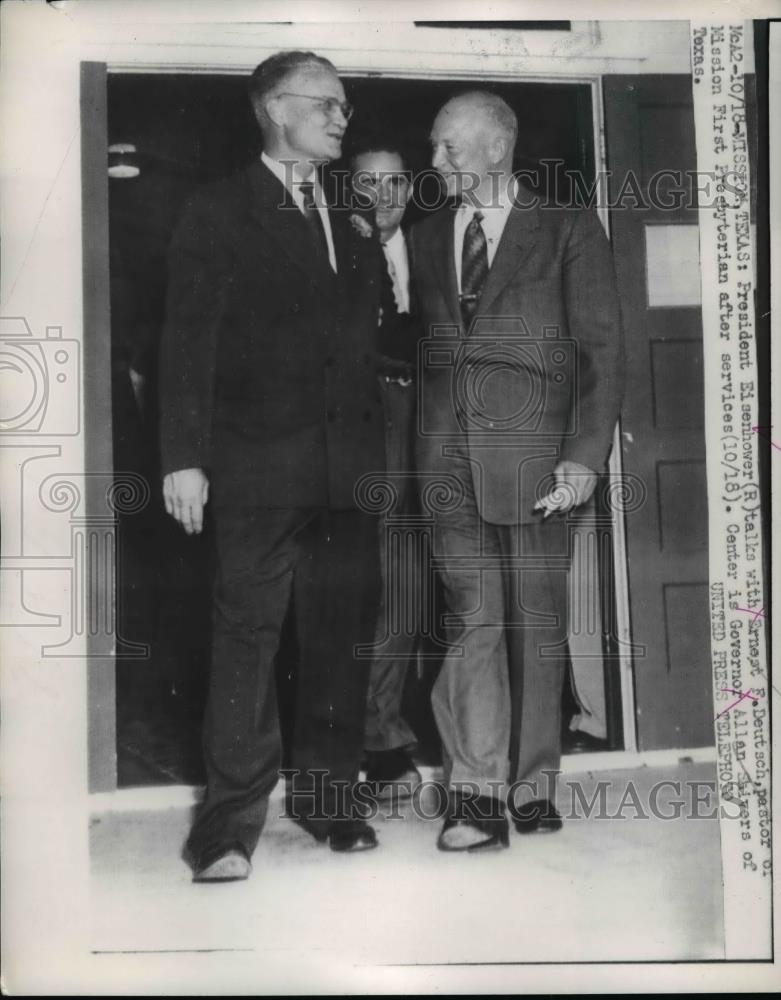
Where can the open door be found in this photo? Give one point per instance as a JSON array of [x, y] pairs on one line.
[[147, 710], [650, 138]]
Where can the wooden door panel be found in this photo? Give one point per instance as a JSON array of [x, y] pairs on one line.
[[650, 128]]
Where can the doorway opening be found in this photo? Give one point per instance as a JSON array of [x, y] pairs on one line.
[[171, 133]]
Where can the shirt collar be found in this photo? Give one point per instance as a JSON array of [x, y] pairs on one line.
[[495, 209], [287, 175], [396, 241]]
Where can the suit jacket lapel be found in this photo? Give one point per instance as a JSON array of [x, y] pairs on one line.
[[444, 262], [414, 305], [345, 248], [518, 240], [272, 206]]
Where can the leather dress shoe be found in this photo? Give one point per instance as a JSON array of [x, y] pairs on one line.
[[350, 835], [392, 774], [537, 816], [226, 863], [474, 824], [343, 835], [577, 741]]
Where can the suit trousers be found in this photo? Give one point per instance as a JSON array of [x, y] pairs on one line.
[[328, 560], [396, 632], [497, 699]]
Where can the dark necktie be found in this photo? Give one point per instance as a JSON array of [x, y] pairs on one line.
[[474, 268], [312, 217]]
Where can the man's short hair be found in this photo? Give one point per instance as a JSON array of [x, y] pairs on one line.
[[269, 74], [377, 142]]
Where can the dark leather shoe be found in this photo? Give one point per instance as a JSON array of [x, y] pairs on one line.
[[537, 816], [392, 774], [474, 824], [576, 741], [350, 835], [225, 863]]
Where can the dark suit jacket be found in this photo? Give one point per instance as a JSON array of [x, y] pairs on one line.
[[537, 378], [268, 361], [399, 333]]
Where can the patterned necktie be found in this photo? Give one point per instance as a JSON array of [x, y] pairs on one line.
[[474, 268], [312, 216]]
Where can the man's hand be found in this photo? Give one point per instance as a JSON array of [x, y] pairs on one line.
[[574, 485], [138, 381], [185, 493]]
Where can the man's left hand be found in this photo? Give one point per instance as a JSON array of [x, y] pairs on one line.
[[574, 485]]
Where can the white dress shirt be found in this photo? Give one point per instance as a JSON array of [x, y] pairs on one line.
[[286, 175], [397, 259], [493, 223]]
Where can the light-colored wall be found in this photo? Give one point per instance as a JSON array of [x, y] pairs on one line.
[[402, 49]]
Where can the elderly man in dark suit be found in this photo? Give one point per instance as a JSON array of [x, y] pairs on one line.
[[271, 412], [520, 390]]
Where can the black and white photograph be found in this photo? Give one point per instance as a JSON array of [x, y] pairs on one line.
[[387, 445]]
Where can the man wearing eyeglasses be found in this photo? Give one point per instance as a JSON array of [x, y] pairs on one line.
[[271, 413]]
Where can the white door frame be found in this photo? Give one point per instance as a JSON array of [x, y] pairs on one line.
[[607, 759]]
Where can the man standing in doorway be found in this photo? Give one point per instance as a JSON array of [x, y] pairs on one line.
[[520, 391], [271, 412], [382, 184]]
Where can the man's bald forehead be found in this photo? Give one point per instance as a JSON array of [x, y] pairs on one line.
[[486, 108]]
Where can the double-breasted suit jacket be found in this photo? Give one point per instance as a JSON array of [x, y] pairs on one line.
[[536, 379]]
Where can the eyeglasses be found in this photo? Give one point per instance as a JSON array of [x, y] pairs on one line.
[[328, 104]]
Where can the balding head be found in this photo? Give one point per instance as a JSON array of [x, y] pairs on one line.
[[473, 138], [489, 112]]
